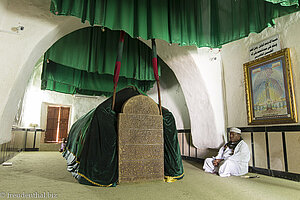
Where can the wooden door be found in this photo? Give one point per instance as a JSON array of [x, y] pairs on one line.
[[57, 123], [63, 123], [52, 123]]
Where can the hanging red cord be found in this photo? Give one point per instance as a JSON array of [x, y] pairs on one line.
[[118, 66]]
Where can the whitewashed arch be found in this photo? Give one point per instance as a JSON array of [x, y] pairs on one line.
[[51, 28], [202, 118]]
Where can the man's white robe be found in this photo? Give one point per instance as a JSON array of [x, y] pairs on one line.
[[235, 164]]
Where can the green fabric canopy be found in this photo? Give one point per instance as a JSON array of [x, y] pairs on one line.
[[83, 63], [285, 2], [209, 23]]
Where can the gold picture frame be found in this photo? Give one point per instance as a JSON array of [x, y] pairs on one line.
[[269, 89]]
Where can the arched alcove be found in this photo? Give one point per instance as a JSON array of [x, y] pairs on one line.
[[34, 45], [43, 29]]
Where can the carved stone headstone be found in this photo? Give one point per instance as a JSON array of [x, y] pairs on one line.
[[140, 129]]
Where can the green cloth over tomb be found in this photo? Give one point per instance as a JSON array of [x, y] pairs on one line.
[[92, 155]]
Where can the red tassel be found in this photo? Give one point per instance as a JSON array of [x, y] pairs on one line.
[[155, 69], [117, 71]]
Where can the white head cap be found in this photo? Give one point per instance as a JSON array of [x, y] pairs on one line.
[[236, 130]]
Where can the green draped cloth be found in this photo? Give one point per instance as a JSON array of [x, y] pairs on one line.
[[83, 63], [209, 23], [92, 140], [285, 2]]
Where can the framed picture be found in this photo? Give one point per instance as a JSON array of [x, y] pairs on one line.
[[269, 89]]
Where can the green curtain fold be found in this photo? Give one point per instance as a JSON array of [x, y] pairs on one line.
[[83, 63], [209, 23], [285, 2], [59, 78]]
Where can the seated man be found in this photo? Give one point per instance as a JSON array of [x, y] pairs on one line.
[[232, 159]]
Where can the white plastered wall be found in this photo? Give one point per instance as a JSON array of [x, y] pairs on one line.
[[200, 79], [172, 98], [235, 54], [209, 64], [20, 52], [36, 101]]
